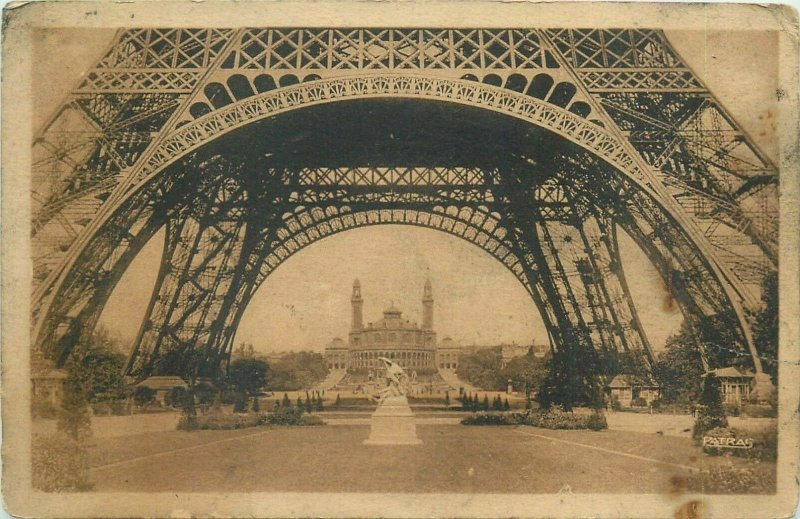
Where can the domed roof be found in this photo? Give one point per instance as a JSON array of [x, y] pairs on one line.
[[392, 311]]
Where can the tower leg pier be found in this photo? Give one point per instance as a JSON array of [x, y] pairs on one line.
[[393, 424]]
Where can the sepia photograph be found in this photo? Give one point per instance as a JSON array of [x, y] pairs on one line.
[[387, 262]]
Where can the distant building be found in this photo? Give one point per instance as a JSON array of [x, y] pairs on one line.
[[410, 345], [47, 381], [447, 354], [736, 386], [628, 390]]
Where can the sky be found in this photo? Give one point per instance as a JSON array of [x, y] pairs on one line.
[[305, 302]]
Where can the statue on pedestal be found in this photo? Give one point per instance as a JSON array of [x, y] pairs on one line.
[[397, 381], [392, 422]]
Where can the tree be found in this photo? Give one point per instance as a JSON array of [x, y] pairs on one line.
[[485, 405], [497, 405], [74, 418], [176, 397], [482, 368], [248, 375], [240, 403], [297, 370], [299, 404], [526, 372], [205, 393], [286, 402], [143, 395], [572, 379], [256, 406], [320, 406], [338, 401], [98, 364], [506, 407], [711, 413], [679, 369], [447, 399], [765, 326]]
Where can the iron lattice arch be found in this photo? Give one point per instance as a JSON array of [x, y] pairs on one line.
[[632, 140]]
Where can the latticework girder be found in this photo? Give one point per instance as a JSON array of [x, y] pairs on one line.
[[690, 187]]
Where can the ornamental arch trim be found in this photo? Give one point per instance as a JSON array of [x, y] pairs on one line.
[[191, 136]]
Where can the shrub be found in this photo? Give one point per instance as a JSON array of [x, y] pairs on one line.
[[639, 402], [205, 393], [732, 409], [489, 419], [240, 403], [143, 395], [311, 420], [557, 418], [176, 397], [597, 422], [711, 412], [218, 422], [289, 416], [703, 424], [59, 463]]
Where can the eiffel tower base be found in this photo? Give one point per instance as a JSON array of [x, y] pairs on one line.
[[393, 424]]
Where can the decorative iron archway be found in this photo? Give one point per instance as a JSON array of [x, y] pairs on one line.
[[186, 180]]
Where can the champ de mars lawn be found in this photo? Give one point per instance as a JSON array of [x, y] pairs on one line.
[[452, 458]]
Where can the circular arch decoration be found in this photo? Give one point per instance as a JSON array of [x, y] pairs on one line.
[[192, 136]]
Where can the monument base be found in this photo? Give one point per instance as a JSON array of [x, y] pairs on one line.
[[393, 424]]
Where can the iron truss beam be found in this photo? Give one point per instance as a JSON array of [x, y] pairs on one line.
[[159, 95]]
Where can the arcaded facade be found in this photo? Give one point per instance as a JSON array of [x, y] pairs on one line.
[[401, 340]]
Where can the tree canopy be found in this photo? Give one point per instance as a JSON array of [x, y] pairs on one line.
[[97, 364], [765, 326], [679, 369], [248, 375], [297, 370]]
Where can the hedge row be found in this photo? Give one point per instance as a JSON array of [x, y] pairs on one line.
[[553, 418], [219, 421]]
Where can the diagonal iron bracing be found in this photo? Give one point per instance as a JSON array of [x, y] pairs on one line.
[[206, 132]]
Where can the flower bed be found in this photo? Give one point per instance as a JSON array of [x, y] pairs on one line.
[[221, 421], [553, 418], [490, 419], [557, 418], [218, 421]]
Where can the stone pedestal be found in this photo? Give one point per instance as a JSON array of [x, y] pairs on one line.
[[393, 424]]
